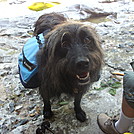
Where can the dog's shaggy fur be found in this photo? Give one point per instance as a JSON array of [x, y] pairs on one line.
[[70, 61]]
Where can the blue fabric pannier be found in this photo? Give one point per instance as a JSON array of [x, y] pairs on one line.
[[27, 63]]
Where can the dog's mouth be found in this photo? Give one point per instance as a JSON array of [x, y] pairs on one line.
[[84, 78]]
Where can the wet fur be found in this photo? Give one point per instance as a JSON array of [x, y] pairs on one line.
[[64, 46]]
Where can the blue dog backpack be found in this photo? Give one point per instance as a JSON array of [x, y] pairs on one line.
[[27, 63]]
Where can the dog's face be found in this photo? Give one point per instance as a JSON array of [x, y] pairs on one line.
[[75, 50]]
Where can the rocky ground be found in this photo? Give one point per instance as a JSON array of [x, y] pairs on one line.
[[21, 109]]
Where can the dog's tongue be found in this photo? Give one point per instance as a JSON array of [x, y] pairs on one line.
[[83, 75], [83, 78]]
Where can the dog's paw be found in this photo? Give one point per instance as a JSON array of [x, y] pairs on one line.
[[39, 131], [81, 116], [47, 114]]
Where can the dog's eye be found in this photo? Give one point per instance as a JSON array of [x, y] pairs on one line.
[[88, 43], [65, 40], [87, 40]]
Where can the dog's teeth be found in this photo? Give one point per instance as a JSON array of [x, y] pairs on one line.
[[85, 83], [80, 78]]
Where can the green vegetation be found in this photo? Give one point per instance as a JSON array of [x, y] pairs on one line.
[[112, 84], [112, 91], [63, 103]]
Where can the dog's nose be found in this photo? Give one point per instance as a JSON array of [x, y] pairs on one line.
[[82, 63]]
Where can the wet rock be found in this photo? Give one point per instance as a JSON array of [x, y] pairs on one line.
[[19, 130], [12, 107], [131, 32], [121, 45], [25, 35], [4, 129], [15, 71], [17, 92], [31, 107], [21, 122], [1, 104], [18, 107], [130, 44]]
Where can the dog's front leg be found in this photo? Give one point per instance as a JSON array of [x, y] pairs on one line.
[[47, 106], [47, 109], [80, 114]]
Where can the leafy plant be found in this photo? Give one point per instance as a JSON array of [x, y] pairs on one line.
[[63, 103], [112, 91], [116, 85], [110, 83]]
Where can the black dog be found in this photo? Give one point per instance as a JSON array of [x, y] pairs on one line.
[[69, 62]]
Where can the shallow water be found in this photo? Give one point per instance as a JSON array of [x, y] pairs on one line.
[[98, 19]]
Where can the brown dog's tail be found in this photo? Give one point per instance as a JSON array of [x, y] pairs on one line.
[[46, 22]]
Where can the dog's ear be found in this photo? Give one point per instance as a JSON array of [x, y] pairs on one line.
[[62, 46], [65, 40]]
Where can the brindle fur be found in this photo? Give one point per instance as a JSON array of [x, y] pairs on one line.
[[71, 49]]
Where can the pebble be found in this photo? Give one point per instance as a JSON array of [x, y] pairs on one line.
[[17, 92], [21, 122], [121, 45], [132, 32], [18, 107], [12, 107], [131, 44], [31, 107]]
